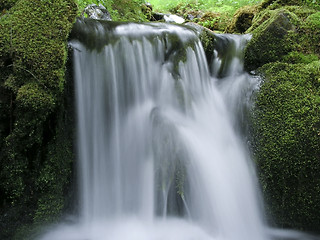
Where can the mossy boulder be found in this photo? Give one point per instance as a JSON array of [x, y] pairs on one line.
[[309, 38], [279, 28], [33, 54], [271, 39], [284, 50], [242, 19], [274, 4], [287, 143]]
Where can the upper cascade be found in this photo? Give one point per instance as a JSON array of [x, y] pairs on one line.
[[96, 34]]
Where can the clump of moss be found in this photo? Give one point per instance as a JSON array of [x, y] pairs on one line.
[[310, 34], [274, 4], [284, 50], [270, 40], [278, 32], [242, 19], [287, 143], [217, 22], [298, 57], [210, 20], [128, 10], [33, 53]]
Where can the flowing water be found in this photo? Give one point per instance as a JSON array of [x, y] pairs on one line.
[[162, 150]]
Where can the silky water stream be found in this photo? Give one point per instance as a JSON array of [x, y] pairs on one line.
[[161, 137]]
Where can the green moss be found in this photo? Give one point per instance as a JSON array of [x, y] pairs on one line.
[[242, 19], [211, 20], [271, 40], [297, 57], [310, 34], [129, 10], [287, 143], [314, 21], [207, 39], [279, 34], [32, 97], [301, 12], [274, 4], [54, 176], [33, 53]]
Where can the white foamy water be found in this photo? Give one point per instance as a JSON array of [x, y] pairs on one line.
[[160, 151]]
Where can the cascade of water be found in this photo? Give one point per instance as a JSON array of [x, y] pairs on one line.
[[160, 156]]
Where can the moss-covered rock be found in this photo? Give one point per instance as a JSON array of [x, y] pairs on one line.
[[287, 143], [33, 53], [285, 50], [278, 28], [242, 19], [274, 4], [309, 37], [298, 57], [271, 39]]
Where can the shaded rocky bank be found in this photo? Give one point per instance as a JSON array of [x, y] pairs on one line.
[[285, 51]]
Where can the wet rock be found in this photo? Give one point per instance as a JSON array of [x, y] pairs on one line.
[[97, 12], [157, 16]]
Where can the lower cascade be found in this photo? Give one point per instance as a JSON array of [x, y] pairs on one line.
[[162, 152]]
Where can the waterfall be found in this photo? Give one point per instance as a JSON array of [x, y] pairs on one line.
[[161, 136]]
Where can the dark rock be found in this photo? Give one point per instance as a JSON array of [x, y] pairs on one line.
[[157, 16]]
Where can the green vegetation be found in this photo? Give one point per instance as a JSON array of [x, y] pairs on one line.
[[213, 14], [284, 50], [282, 33], [218, 6], [271, 39], [36, 152], [120, 10], [287, 143]]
